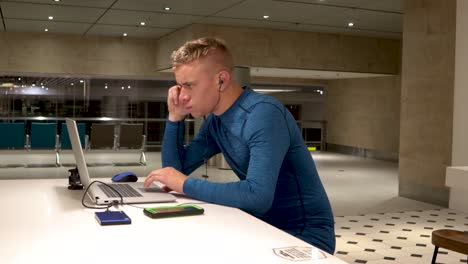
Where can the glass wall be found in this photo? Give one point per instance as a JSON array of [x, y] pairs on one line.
[[38, 99], [100, 100]]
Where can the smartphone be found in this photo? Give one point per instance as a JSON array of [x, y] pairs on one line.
[[173, 211]]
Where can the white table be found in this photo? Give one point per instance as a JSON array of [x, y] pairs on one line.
[[44, 222]]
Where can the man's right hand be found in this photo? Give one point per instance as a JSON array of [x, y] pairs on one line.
[[176, 104]]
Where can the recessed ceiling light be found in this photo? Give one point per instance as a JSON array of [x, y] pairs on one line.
[[266, 16], [350, 24], [46, 29], [51, 17], [167, 8], [123, 87], [142, 23], [124, 34], [56, 0], [129, 87]]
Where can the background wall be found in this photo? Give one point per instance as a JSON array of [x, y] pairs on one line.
[[313, 111], [364, 113], [47, 53], [297, 50]]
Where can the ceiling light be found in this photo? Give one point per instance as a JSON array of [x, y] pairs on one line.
[[261, 90], [124, 34], [51, 17], [167, 8], [123, 87], [72, 84], [350, 24], [46, 30], [266, 16], [129, 87], [19, 78], [142, 23], [106, 87], [81, 81], [56, 0]]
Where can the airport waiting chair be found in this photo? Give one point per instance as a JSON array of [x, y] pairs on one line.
[[65, 138], [131, 137], [12, 137], [44, 136], [65, 142], [102, 136]]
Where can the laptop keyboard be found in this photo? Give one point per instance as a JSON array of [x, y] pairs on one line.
[[124, 189]]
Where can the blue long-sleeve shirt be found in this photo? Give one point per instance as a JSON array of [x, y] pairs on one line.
[[261, 142]]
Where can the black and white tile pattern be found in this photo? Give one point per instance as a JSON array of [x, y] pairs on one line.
[[395, 238]]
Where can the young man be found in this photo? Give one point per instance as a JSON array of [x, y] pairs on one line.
[[259, 139]]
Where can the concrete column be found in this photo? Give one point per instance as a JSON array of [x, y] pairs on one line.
[[427, 99]]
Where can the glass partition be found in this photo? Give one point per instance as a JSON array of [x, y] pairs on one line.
[[100, 100]]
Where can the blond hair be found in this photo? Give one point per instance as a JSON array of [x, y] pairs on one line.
[[202, 48]]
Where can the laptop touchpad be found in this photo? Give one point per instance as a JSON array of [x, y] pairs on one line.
[[151, 189]]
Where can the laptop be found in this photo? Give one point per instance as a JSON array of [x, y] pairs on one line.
[[132, 192]]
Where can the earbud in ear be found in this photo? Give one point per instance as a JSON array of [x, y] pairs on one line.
[[220, 82]]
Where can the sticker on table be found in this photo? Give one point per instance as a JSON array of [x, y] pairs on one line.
[[299, 253]]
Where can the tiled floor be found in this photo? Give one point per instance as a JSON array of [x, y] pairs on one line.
[[373, 224], [400, 237]]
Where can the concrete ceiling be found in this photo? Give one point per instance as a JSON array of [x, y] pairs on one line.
[[381, 18], [374, 18]]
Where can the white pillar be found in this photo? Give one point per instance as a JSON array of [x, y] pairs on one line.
[[460, 93], [457, 176]]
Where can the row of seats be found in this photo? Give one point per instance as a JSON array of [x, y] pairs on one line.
[[45, 136]]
